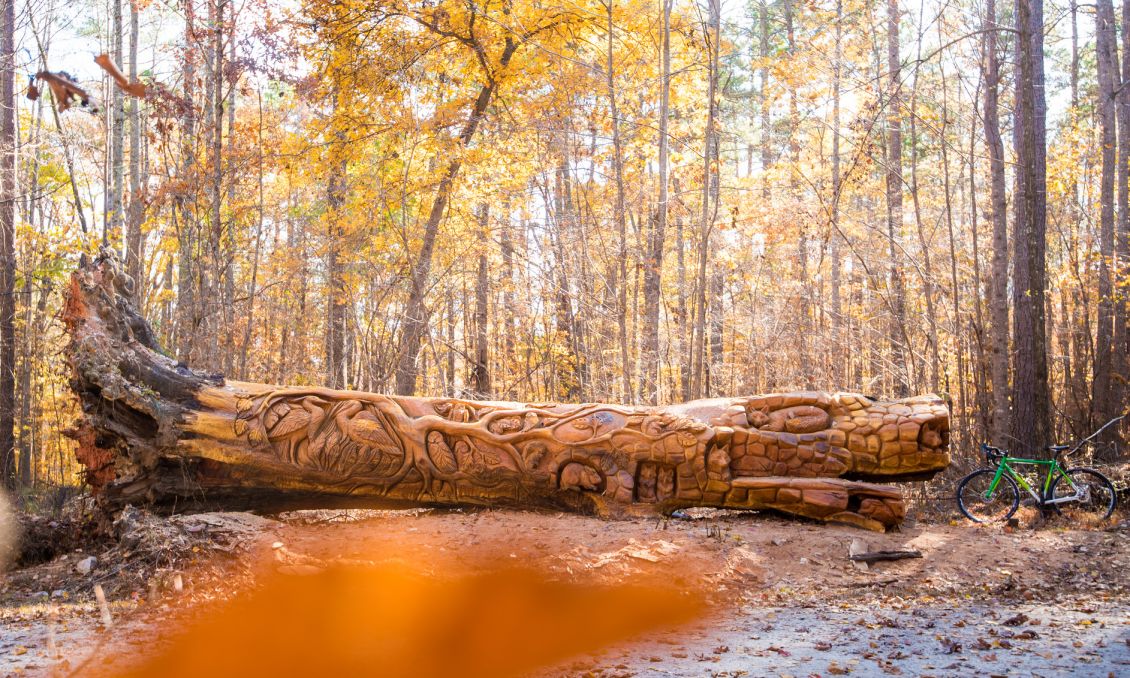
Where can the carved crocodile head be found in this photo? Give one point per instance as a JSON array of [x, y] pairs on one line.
[[838, 435]]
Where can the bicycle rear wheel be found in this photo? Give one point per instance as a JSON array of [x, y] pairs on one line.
[[1093, 492], [981, 506]]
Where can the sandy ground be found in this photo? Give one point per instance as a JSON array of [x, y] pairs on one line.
[[782, 596]]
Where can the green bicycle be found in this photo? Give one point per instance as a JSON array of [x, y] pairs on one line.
[[992, 494]]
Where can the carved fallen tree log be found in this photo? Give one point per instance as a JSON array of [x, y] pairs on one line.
[[155, 432]]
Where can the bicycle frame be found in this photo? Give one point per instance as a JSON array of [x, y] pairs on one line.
[[1053, 469]]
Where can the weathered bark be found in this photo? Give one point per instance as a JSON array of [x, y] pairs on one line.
[[998, 285], [835, 354], [227, 249], [217, 316], [897, 291], [1106, 59], [653, 264], [570, 379], [959, 335], [1121, 358], [1075, 56], [621, 220], [480, 377], [153, 431], [717, 322], [7, 243], [335, 288], [763, 85], [136, 200], [245, 347], [802, 301], [927, 269], [709, 201], [1030, 396], [116, 123], [682, 317], [187, 315]]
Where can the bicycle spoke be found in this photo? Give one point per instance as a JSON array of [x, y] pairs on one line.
[[982, 502], [1083, 495]]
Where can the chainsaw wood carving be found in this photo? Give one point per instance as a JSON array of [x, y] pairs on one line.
[[153, 431]]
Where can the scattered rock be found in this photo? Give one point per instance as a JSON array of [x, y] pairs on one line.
[[857, 547], [85, 565]]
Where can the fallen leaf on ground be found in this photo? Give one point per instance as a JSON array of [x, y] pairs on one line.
[[1016, 620]]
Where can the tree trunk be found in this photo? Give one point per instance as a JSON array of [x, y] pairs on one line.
[[897, 330], [568, 375], [24, 423], [621, 222], [649, 350], [116, 123], [763, 84], [717, 322], [836, 361], [335, 285], [1031, 408], [709, 201], [217, 310], [927, 270], [187, 318], [1121, 358], [1075, 55], [136, 199], [802, 302], [228, 247], [508, 363], [958, 332], [7, 243], [981, 390], [1106, 59], [253, 292], [154, 432], [998, 292], [682, 316], [481, 372]]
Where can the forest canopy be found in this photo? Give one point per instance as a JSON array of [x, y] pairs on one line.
[[582, 200]]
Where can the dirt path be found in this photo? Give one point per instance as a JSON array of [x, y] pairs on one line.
[[784, 599], [887, 637]]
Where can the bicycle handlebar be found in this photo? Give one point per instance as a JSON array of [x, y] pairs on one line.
[[991, 453]]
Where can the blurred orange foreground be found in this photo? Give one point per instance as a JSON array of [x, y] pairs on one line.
[[391, 621]]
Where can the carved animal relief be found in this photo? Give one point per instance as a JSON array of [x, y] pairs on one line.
[[152, 430]]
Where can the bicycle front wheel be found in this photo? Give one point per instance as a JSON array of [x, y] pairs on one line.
[[981, 505], [1088, 497]]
